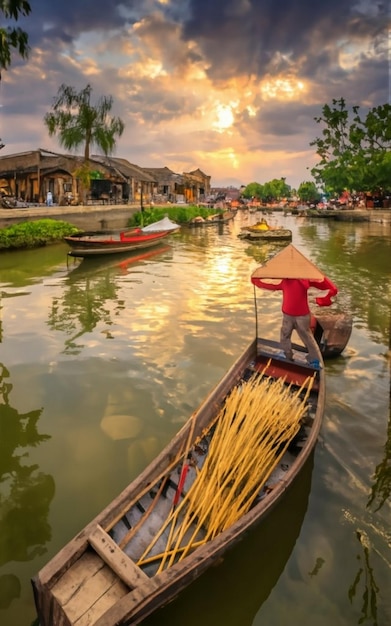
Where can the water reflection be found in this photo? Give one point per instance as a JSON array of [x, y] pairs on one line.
[[262, 252], [361, 258], [365, 580], [361, 271], [10, 588], [25, 493], [381, 488], [91, 296]]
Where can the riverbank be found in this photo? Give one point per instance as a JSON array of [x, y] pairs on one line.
[[93, 217], [116, 216]]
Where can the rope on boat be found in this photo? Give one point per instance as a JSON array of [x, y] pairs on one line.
[[252, 431]]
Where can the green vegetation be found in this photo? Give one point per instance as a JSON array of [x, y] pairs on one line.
[[275, 189], [308, 192], [179, 214], [13, 38], [34, 234], [354, 151]]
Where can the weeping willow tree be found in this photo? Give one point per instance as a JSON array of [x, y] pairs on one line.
[[80, 124]]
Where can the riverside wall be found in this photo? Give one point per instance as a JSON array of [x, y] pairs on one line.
[[92, 217], [112, 217]]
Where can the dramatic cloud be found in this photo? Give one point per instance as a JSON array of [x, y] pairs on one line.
[[229, 86]]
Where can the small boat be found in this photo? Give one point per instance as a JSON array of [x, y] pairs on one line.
[[261, 231], [225, 470], [213, 220], [332, 331], [87, 244]]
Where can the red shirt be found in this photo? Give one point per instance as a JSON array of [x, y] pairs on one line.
[[294, 293]]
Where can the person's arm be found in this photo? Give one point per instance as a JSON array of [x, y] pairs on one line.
[[323, 285], [258, 282]]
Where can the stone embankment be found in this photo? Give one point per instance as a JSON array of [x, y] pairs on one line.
[[92, 217], [116, 216]]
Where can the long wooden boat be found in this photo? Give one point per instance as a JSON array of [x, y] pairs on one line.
[[222, 474], [97, 243]]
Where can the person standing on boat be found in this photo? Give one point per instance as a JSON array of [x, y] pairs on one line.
[[296, 313]]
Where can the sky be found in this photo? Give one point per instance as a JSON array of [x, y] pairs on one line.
[[228, 86]]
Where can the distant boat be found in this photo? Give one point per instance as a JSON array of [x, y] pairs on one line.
[[261, 231], [87, 244], [212, 220]]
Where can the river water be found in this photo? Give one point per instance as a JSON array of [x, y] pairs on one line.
[[102, 362]]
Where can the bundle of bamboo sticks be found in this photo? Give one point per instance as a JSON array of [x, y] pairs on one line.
[[252, 431]]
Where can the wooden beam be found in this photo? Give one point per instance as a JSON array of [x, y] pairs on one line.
[[119, 562]]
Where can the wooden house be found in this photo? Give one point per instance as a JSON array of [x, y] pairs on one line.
[[28, 176]]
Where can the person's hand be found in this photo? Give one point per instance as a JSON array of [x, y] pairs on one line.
[[323, 300]]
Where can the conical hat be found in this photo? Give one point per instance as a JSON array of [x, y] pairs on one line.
[[289, 263]]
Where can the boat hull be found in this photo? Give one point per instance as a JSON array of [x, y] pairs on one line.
[[277, 234], [95, 579], [87, 244], [218, 220], [91, 246]]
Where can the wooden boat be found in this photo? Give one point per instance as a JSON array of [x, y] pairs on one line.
[[261, 231], [177, 518], [87, 244], [213, 220], [332, 330]]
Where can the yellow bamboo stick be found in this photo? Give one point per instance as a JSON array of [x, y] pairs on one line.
[[251, 433]]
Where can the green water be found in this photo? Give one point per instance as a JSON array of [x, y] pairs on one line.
[[102, 362]]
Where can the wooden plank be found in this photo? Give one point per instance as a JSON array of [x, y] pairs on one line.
[[93, 590], [103, 604], [75, 577], [119, 562]]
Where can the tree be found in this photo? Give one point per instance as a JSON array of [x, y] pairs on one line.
[[252, 190], [77, 122], [354, 151], [276, 189], [11, 37], [308, 192]]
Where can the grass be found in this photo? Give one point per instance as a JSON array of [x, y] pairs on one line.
[[179, 214], [34, 234]]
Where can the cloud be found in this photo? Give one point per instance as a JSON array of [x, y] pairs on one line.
[[230, 86]]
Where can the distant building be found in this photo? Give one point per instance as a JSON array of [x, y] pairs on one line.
[[192, 187], [28, 176]]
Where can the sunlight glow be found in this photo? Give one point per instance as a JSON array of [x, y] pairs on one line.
[[282, 88], [225, 117]]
